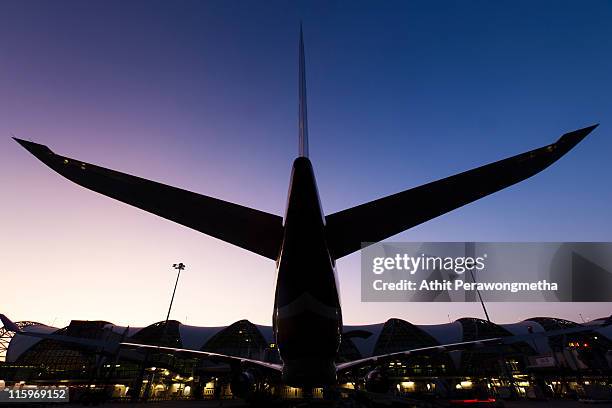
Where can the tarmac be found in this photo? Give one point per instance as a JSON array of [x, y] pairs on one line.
[[240, 404]]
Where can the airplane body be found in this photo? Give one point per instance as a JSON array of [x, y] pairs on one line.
[[307, 317], [305, 243], [307, 314]]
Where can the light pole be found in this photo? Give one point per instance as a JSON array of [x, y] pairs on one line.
[[179, 266], [162, 341]]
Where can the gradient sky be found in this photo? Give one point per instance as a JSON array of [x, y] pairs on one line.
[[203, 95]]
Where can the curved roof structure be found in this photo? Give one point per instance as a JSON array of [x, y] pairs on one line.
[[20, 343], [160, 334], [365, 345], [194, 337], [246, 339], [552, 323], [62, 356], [445, 333], [397, 335], [478, 329], [241, 339]]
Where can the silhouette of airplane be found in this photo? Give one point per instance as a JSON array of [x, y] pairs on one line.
[[305, 243]]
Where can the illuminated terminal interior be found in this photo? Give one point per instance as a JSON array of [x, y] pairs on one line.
[[555, 366]]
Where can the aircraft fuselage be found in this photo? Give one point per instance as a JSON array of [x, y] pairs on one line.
[[307, 315]]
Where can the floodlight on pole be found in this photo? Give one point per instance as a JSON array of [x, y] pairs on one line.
[[178, 266]]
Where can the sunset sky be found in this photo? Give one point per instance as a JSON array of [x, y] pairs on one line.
[[202, 95]]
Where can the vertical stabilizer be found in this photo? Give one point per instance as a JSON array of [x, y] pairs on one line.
[[303, 123]]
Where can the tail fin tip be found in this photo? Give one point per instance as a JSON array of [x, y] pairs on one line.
[[303, 114]]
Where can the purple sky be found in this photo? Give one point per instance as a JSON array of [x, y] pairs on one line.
[[203, 95]]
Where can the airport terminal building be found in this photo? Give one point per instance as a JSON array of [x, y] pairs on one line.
[[555, 366]]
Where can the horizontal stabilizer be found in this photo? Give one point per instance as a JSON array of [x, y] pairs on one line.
[[251, 229], [385, 217]]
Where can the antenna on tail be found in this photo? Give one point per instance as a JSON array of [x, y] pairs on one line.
[[303, 121]]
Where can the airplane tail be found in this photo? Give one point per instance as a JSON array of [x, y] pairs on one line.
[[303, 114], [9, 325]]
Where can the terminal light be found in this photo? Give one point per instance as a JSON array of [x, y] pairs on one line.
[[407, 384], [473, 401]]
